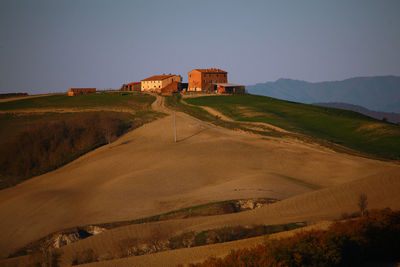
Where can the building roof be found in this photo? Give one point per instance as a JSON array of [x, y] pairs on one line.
[[132, 83], [159, 77], [81, 89], [228, 84], [211, 70]]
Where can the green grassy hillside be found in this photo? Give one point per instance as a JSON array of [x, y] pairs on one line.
[[100, 100], [346, 128]]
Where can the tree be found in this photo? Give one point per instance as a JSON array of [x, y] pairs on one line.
[[362, 203]]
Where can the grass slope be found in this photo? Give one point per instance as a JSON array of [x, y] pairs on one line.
[[82, 102], [343, 127]]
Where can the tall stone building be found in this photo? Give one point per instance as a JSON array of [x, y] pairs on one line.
[[205, 79]]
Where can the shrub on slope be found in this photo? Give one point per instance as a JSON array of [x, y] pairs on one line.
[[374, 237]]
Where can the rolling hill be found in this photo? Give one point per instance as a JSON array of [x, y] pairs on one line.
[[41, 133], [388, 116], [380, 93], [145, 173]]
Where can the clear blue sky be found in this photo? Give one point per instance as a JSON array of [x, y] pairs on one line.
[[52, 45]]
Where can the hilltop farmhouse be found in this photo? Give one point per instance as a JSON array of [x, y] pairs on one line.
[[160, 83], [81, 91], [200, 80]]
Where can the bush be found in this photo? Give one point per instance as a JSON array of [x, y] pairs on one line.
[[373, 237], [226, 234]]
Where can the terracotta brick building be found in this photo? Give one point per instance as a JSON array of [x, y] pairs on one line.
[[81, 91], [230, 88], [170, 88], [135, 86], [157, 82], [204, 79]]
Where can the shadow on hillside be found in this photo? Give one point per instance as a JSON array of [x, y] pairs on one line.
[[193, 135]]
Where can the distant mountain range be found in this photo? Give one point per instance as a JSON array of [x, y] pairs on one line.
[[379, 93], [390, 117]]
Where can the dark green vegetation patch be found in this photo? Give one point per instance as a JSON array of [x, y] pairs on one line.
[[226, 234], [346, 128]]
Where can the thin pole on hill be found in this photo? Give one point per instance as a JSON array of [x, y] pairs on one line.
[[176, 103]]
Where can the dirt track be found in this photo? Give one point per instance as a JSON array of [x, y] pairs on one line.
[[146, 173]]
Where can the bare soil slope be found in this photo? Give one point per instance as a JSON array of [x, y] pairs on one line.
[[321, 205], [146, 173]]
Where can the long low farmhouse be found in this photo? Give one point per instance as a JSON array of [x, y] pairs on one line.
[[157, 83], [81, 91]]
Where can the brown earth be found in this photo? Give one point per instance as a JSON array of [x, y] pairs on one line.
[[322, 205], [145, 173]]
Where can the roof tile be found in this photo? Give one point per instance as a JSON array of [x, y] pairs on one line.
[[158, 77]]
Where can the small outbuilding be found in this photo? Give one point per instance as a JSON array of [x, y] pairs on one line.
[[135, 86], [230, 88], [81, 91]]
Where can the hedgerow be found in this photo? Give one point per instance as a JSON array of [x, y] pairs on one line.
[[373, 237]]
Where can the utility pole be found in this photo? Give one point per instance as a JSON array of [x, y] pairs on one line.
[[176, 103]]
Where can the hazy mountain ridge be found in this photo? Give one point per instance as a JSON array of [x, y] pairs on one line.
[[380, 93], [389, 116]]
